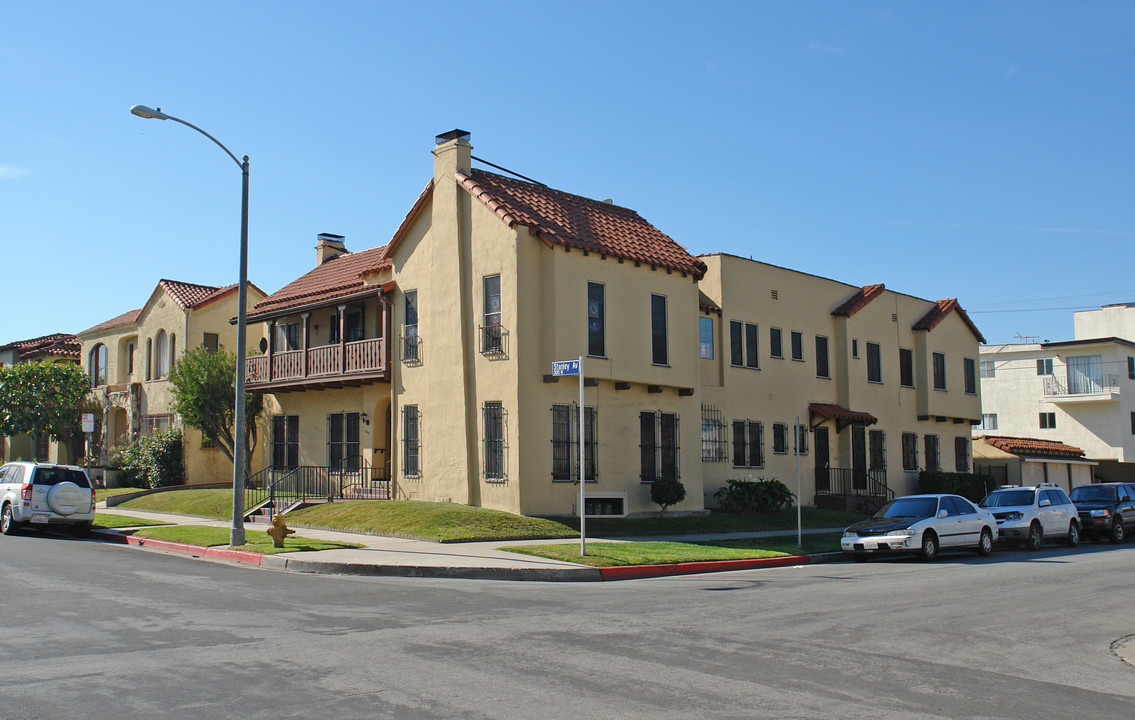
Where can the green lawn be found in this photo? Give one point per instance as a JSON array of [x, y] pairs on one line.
[[257, 540], [714, 522], [210, 503], [110, 521], [607, 554], [103, 493]]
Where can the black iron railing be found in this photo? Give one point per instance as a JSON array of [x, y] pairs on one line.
[[279, 489], [869, 487]]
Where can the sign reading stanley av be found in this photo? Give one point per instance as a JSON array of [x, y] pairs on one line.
[[565, 367]]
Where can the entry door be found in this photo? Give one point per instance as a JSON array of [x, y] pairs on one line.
[[823, 478], [859, 457]]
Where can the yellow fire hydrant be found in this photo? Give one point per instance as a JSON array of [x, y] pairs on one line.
[[279, 531]]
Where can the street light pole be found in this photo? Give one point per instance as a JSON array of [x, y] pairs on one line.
[[240, 449]]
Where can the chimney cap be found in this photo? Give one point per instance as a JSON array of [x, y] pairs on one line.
[[330, 236], [454, 134]]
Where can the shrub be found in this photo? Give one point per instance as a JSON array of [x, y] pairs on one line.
[[751, 497], [152, 461], [971, 486], [666, 492]]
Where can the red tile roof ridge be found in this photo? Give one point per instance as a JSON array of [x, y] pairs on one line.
[[940, 310], [21, 344], [339, 276], [186, 294], [127, 317], [859, 300], [1022, 444], [54, 344]]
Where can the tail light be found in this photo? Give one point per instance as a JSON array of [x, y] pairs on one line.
[[92, 498], [26, 494]]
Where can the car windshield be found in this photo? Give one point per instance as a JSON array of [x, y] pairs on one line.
[[1008, 498], [1090, 493], [909, 508], [54, 476]]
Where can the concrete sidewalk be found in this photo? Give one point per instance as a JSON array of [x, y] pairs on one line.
[[393, 556]]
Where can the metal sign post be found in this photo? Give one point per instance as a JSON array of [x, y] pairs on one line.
[[88, 429], [575, 367], [799, 525]]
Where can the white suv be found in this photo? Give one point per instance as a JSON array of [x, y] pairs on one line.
[[1032, 513], [43, 494]]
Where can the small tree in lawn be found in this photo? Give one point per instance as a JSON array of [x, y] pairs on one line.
[[666, 492], [204, 391], [42, 398]]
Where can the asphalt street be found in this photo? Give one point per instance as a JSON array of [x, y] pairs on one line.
[[101, 631]]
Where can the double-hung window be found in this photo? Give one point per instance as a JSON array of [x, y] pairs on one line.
[[285, 442], [822, 369], [743, 341], [658, 343], [343, 441], [705, 338], [874, 363], [1044, 366], [748, 444], [775, 343], [658, 446], [939, 372], [797, 339], [987, 369], [596, 322], [565, 443]]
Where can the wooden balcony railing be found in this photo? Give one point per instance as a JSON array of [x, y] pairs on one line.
[[323, 363]]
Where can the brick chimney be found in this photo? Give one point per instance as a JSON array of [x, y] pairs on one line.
[[328, 246]]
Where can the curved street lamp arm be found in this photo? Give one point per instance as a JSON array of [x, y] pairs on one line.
[[219, 144]]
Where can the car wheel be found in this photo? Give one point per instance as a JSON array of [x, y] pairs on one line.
[[985, 544], [1117, 533], [8, 524], [82, 530], [1036, 537], [929, 546], [1073, 534]]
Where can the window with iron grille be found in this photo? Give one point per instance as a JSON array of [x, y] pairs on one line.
[[822, 357], [658, 346], [909, 452], [801, 439], [494, 440], [779, 439], [712, 434], [906, 367], [877, 449], [343, 441], [961, 454], [797, 339], [285, 442], [874, 363], [748, 444], [931, 444], [969, 376], [411, 441], [939, 371], [658, 446], [565, 443], [596, 322]]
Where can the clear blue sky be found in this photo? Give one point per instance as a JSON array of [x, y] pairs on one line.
[[973, 150]]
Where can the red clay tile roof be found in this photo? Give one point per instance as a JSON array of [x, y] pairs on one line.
[[829, 411], [574, 221], [1032, 446], [123, 319], [705, 304], [337, 277], [54, 344], [186, 294], [859, 300], [938, 313]]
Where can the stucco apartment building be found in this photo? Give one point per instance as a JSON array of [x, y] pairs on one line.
[[1080, 391], [54, 348], [429, 360], [128, 359]]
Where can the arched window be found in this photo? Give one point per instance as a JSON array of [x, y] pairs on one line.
[[172, 349], [161, 352], [149, 358], [97, 365]]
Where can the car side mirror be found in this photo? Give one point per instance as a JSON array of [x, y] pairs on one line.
[[943, 513], [1045, 503]]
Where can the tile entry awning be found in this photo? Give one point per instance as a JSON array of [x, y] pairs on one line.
[[818, 412]]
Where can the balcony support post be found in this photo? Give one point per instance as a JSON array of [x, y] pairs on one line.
[[342, 319], [306, 341], [271, 345]]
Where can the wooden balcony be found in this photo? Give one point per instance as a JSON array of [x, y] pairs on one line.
[[344, 364]]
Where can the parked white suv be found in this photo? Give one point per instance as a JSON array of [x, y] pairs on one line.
[[43, 494], [1032, 513]]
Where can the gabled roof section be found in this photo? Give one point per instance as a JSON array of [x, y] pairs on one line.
[[186, 295], [1032, 447], [387, 260], [125, 318], [939, 312], [560, 218], [338, 277], [859, 300], [54, 344]]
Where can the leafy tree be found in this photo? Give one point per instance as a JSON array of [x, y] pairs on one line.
[[666, 492], [204, 391], [42, 398]]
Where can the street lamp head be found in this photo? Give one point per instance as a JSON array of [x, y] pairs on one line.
[[144, 112]]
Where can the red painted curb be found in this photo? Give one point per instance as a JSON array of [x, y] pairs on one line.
[[241, 556], [630, 572], [246, 557]]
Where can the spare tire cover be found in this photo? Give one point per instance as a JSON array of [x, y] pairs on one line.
[[67, 498]]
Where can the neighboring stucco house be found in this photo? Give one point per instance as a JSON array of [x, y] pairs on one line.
[[1029, 461], [128, 359], [428, 361], [54, 348], [1080, 391]]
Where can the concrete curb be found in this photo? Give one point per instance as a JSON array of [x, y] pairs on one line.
[[566, 574]]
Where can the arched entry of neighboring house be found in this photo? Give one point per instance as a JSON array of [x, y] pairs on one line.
[[118, 426]]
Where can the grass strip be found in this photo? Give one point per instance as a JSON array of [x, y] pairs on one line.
[[256, 540], [714, 522], [110, 521], [606, 554], [103, 493]]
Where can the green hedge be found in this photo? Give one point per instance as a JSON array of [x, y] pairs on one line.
[[971, 486], [754, 497], [153, 461]]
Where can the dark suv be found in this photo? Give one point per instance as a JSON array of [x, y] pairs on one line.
[[1106, 510]]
